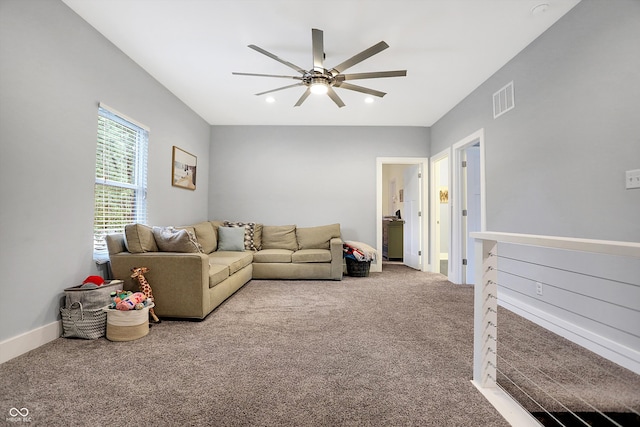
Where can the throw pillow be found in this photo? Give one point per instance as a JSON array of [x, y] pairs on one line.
[[251, 239], [231, 239], [170, 239], [279, 237]]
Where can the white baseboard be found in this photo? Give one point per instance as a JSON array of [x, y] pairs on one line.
[[14, 347], [611, 350]]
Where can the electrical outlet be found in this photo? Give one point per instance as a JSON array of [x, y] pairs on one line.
[[632, 179], [538, 288]]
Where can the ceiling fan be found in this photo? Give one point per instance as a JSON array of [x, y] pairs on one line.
[[322, 80]]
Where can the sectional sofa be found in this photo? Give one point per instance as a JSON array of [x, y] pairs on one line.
[[193, 269]]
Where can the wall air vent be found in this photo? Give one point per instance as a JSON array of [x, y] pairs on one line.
[[503, 100]]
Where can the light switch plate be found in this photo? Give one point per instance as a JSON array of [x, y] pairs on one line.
[[632, 179]]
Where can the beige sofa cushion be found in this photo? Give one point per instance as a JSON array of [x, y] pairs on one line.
[[234, 260], [217, 273], [279, 237], [138, 238], [272, 255], [316, 237], [311, 255], [206, 236]]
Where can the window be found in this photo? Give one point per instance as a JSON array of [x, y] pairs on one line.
[[121, 177]]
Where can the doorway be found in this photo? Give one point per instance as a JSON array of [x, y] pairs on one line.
[[410, 200], [440, 212], [468, 205]]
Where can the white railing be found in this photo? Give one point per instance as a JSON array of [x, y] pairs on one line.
[[486, 302]]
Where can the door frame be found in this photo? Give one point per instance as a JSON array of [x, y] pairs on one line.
[[424, 194], [455, 258], [434, 243]]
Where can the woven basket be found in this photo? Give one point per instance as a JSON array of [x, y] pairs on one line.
[[358, 268], [78, 322], [127, 325]]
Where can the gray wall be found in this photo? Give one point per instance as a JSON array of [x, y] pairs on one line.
[[305, 175], [555, 166], [54, 70]]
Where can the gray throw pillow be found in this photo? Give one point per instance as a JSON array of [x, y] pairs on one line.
[[170, 239], [231, 239]]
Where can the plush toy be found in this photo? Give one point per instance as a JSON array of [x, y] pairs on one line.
[[138, 273], [130, 302]]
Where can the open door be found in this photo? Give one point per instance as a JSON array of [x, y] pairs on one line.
[[468, 205], [412, 254]]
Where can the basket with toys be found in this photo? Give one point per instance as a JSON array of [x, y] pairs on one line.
[[128, 316]]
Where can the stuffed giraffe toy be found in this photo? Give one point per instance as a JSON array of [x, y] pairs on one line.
[[145, 288]]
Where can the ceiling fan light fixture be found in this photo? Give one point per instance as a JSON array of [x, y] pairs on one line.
[[319, 88]]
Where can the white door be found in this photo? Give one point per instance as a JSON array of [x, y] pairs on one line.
[[412, 216], [471, 218]]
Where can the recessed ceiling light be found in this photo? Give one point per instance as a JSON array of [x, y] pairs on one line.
[[368, 100], [270, 99], [539, 9]]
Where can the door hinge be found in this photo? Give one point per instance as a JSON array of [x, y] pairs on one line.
[[419, 213], [464, 163], [464, 212], [464, 261], [419, 174]]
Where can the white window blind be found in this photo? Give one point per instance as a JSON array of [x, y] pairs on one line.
[[121, 177]]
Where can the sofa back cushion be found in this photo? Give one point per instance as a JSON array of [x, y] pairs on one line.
[[171, 239], [206, 236], [138, 238], [317, 237], [279, 237]]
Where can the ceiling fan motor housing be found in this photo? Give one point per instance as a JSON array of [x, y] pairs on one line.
[[317, 77]]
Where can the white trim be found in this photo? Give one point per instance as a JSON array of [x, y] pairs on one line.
[[598, 344], [434, 202], [455, 250], [510, 410], [424, 244], [609, 247], [20, 344], [124, 116]]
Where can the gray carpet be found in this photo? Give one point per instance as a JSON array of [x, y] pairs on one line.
[[391, 349]]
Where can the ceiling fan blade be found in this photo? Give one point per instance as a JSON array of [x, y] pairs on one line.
[[272, 56], [304, 96], [360, 89], [317, 39], [266, 75], [334, 96], [377, 48], [372, 75], [280, 88]]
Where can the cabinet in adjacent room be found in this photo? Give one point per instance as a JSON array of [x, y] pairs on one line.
[[392, 239]]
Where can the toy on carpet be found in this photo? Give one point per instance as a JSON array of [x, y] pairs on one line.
[[138, 273]]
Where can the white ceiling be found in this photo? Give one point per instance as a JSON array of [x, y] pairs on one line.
[[448, 47]]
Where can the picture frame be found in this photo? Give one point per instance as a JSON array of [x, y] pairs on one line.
[[183, 169]]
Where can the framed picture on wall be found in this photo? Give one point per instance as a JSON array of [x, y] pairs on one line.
[[183, 173]]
